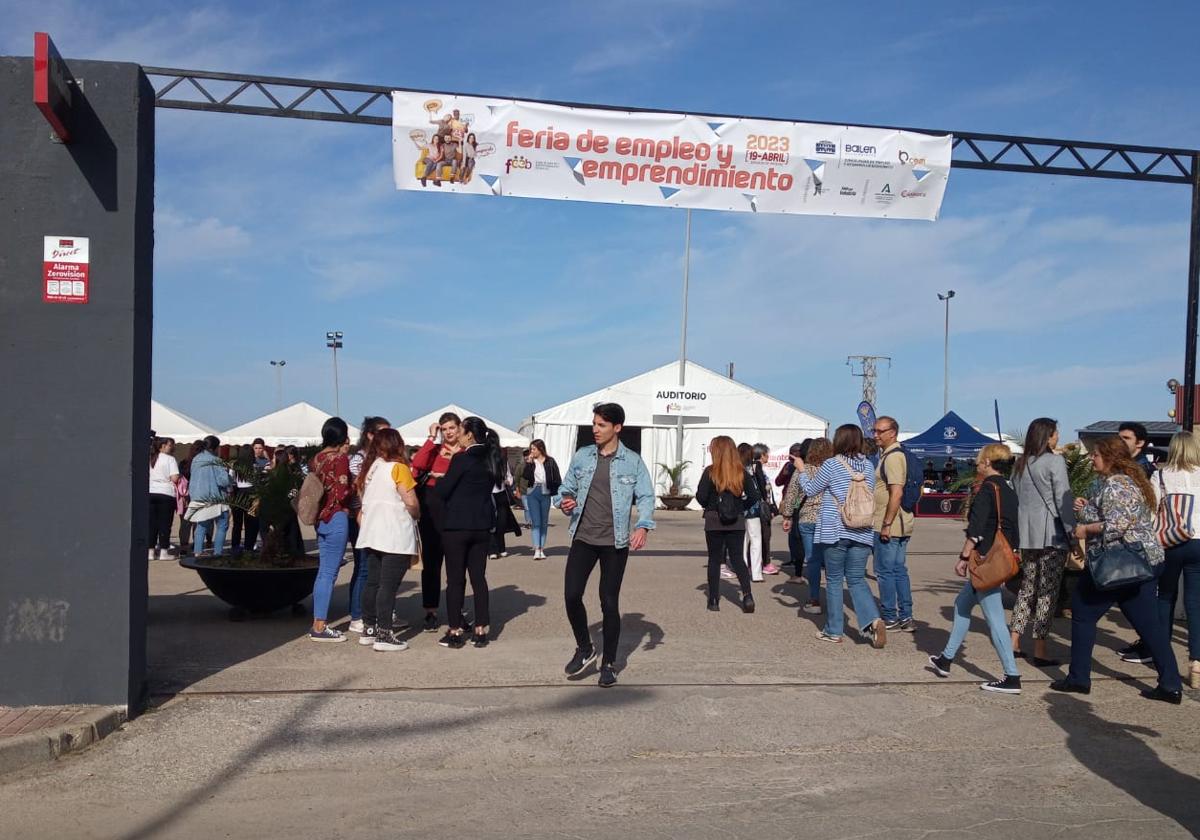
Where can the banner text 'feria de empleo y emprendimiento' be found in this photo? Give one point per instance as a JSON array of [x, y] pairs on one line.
[[535, 150]]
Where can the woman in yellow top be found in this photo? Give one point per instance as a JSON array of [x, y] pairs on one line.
[[387, 533]]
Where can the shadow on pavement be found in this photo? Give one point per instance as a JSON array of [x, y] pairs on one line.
[[1114, 752]]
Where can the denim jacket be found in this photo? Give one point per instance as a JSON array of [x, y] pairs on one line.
[[210, 480], [631, 485]]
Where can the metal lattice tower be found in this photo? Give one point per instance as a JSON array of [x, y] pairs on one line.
[[867, 370]]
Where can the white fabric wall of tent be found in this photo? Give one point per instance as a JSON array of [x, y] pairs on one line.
[[297, 425], [745, 414], [169, 423]]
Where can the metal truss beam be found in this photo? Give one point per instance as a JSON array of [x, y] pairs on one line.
[[272, 96]]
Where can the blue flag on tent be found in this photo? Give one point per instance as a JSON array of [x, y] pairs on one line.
[[866, 418]]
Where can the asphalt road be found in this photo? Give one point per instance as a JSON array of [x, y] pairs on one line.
[[723, 725]]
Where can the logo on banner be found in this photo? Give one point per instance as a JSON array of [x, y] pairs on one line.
[[855, 149], [847, 191], [912, 194], [517, 164], [908, 160], [65, 269], [950, 433], [825, 147], [885, 195], [866, 418]]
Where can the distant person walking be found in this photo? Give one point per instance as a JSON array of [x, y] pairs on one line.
[[1179, 482], [387, 534], [164, 481], [725, 491], [544, 479], [1047, 525], [332, 466], [752, 539], [470, 514], [846, 547], [993, 508], [371, 425], [1120, 513], [893, 528], [808, 512], [602, 486]]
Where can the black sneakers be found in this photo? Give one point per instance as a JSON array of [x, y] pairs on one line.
[[453, 641], [1138, 654], [1070, 687], [747, 605], [431, 623], [479, 640], [583, 657], [940, 665], [608, 677], [1008, 685]]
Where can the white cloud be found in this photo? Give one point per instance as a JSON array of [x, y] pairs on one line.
[[181, 239]]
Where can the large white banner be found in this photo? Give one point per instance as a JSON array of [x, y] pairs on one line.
[[535, 150]]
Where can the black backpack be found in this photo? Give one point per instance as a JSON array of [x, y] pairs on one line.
[[729, 508]]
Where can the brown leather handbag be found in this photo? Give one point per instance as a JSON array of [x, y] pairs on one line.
[[1000, 565]]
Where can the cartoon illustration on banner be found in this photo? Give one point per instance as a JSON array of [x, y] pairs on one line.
[[536, 150]]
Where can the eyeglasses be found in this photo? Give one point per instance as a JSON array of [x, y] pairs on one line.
[[880, 431]]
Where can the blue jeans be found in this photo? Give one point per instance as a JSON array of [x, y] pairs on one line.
[[332, 537], [539, 515], [993, 613], [358, 578], [202, 530], [1182, 560], [1140, 606], [891, 570], [847, 560], [814, 558]]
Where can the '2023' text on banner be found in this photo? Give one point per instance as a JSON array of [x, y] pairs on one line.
[[536, 150]]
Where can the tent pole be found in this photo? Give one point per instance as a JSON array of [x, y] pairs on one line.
[[687, 253]]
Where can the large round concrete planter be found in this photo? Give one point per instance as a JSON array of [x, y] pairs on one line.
[[255, 590], [676, 502]]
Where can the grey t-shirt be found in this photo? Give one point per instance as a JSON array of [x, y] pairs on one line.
[[596, 521]]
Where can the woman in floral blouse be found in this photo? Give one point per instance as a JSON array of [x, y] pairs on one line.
[[332, 464], [1121, 510], [806, 520]]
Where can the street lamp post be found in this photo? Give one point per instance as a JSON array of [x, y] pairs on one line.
[[333, 340], [278, 365], [946, 353]]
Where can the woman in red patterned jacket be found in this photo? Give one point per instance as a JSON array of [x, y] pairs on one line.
[[332, 464]]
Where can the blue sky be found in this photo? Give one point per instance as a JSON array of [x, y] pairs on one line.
[[269, 232]]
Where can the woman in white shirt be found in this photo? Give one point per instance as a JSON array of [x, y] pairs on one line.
[[543, 477], [164, 475], [1180, 480]]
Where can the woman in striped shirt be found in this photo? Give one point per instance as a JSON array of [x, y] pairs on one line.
[[845, 549]]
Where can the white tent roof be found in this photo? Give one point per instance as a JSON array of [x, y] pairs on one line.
[[733, 404], [296, 425], [167, 422], [414, 431]]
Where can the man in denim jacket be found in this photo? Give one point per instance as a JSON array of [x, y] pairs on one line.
[[598, 491]]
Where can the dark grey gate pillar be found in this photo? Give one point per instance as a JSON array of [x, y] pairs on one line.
[[75, 392]]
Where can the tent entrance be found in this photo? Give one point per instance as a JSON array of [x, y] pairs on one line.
[[631, 436]]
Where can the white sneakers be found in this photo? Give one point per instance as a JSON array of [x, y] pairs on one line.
[[356, 626]]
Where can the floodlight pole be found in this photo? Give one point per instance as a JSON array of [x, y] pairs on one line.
[[1193, 303], [333, 340], [946, 355], [278, 365], [687, 254]]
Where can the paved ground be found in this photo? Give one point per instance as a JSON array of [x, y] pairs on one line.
[[724, 725]]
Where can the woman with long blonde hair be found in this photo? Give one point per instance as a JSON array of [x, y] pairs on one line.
[[1179, 482], [726, 493], [1119, 513]]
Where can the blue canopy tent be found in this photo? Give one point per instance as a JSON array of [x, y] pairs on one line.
[[949, 437]]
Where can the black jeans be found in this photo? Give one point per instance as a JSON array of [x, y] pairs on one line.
[[727, 547], [293, 540], [766, 537], [432, 550], [466, 553], [384, 574], [240, 518], [581, 559], [162, 516]]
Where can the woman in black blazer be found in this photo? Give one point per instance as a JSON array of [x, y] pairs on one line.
[[470, 516]]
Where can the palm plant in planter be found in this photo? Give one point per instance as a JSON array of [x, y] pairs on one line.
[[279, 574], [675, 498]]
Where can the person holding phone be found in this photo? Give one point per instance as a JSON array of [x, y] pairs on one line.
[[430, 464], [603, 484]]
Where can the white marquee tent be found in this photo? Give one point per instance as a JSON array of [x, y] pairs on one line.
[[169, 423], [414, 431], [735, 409], [296, 425]]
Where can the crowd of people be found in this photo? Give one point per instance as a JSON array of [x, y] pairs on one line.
[[446, 507]]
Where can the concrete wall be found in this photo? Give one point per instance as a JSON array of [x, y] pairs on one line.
[[75, 392]]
